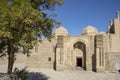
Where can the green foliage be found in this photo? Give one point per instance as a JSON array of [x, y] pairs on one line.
[[21, 74], [23, 23], [46, 4]]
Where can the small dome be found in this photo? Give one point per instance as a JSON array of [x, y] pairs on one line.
[[89, 30], [61, 31], [102, 32]]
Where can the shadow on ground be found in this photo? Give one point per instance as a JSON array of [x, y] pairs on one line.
[[30, 75], [37, 76]]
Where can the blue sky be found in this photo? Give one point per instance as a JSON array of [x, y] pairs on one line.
[[75, 15]]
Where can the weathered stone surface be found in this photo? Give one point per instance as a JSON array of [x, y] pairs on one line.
[[92, 51]]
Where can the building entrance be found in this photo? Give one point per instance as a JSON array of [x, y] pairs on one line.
[[79, 62], [80, 55]]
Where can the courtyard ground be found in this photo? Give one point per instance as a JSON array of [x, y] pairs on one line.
[[49, 74]]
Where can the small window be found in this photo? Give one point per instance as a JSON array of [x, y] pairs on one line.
[[49, 59]]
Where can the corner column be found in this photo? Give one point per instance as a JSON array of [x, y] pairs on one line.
[[100, 60], [100, 54]]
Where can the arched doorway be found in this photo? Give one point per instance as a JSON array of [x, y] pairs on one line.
[[79, 54]]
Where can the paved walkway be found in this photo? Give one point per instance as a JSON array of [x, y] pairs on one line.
[[49, 74]]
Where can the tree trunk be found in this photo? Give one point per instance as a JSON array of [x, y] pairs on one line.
[[10, 58], [10, 63]]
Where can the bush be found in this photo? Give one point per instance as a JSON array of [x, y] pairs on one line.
[[21, 74]]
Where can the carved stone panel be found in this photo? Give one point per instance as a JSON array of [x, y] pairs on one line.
[[99, 41], [60, 41]]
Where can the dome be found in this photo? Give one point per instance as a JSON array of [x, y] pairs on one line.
[[61, 31], [102, 32], [89, 30]]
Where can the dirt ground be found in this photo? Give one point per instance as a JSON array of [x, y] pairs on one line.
[[49, 74]]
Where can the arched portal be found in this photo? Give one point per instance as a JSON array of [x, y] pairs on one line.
[[79, 52]]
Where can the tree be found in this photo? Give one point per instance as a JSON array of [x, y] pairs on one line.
[[22, 23]]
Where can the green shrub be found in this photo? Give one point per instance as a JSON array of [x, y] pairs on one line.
[[21, 74]]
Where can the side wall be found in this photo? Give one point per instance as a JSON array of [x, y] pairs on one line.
[[114, 43], [20, 62], [42, 56], [112, 61]]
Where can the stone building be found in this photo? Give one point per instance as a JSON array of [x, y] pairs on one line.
[[91, 51]]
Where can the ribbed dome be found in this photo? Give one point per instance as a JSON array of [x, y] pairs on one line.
[[61, 31], [89, 30]]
